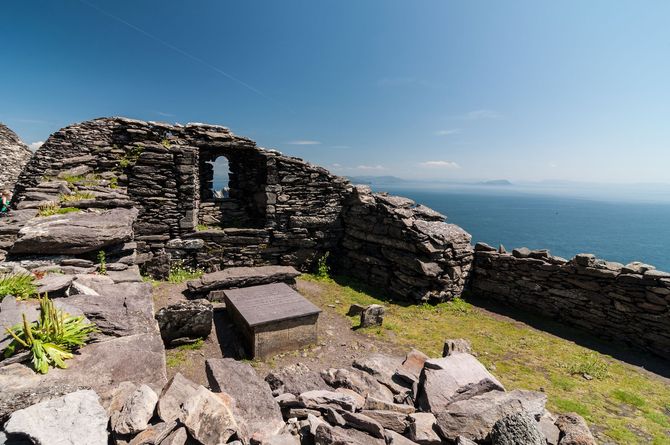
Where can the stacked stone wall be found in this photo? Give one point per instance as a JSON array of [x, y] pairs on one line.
[[407, 249], [625, 303], [14, 154]]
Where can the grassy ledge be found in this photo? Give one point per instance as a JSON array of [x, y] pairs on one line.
[[622, 403]]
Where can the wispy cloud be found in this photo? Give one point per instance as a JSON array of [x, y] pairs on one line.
[[370, 167], [304, 142], [448, 132], [482, 114], [164, 114], [336, 165], [440, 164], [35, 145]]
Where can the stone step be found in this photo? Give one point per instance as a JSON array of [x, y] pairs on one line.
[[212, 284]]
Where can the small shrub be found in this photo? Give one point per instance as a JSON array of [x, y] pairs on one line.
[[73, 179], [114, 183], [322, 268], [590, 364], [166, 143], [180, 273], [20, 286], [131, 156], [51, 339], [76, 196], [102, 260], [459, 305], [55, 209]]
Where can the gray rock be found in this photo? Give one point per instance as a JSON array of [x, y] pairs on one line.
[[390, 420], [234, 277], [360, 382], [574, 430], [379, 405], [411, 368], [318, 398], [191, 319], [209, 417], [136, 412], [175, 393], [75, 233], [73, 419], [154, 434], [177, 437], [254, 402], [54, 285], [129, 275], [355, 310], [474, 418], [394, 438], [383, 368], [373, 315], [422, 429], [328, 435], [364, 423], [452, 378], [517, 429], [548, 428], [294, 379], [452, 346]]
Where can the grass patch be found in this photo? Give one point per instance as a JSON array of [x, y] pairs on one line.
[[176, 357], [523, 357], [195, 346], [20, 286], [180, 273], [628, 398], [73, 179], [76, 196], [55, 209]]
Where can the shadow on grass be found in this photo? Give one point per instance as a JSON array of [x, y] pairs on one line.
[[373, 291], [619, 351]]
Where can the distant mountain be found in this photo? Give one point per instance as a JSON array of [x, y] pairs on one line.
[[376, 180], [496, 182]]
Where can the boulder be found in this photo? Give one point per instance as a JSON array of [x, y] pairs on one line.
[[410, 370], [177, 391], [54, 285], [73, 419], [574, 430], [375, 404], [329, 435], [75, 233], [185, 321], [373, 315], [452, 378], [129, 275], [517, 429], [355, 310], [474, 418], [394, 438], [235, 277], [422, 429], [383, 368], [452, 346], [209, 417], [360, 382], [254, 402], [390, 420], [322, 398], [176, 437], [549, 429], [136, 412], [294, 379], [154, 434]]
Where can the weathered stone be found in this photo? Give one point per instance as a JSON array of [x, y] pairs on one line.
[[410, 370], [375, 404], [452, 346], [474, 418], [394, 438], [355, 310], [253, 398], [383, 368], [175, 393], [362, 422], [422, 429], [360, 382], [188, 320], [574, 430], [390, 420], [517, 429], [452, 378], [154, 434], [317, 398], [209, 418], [74, 233], [136, 412], [177, 437], [54, 285], [373, 315], [327, 435], [548, 428], [294, 379], [235, 277], [14, 154], [73, 419]]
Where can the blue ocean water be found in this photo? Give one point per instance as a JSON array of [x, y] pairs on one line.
[[616, 231]]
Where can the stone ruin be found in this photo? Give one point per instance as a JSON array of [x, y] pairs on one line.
[[144, 194], [14, 155]]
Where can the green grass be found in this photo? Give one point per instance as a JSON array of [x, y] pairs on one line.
[[76, 196], [55, 209], [180, 274], [623, 403], [20, 286], [176, 357]]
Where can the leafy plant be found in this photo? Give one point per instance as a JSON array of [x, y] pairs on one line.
[[180, 273], [51, 339], [114, 182], [54, 208], [166, 143], [102, 260], [131, 156], [322, 268], [20, 286], [77, 196], [590, 365]]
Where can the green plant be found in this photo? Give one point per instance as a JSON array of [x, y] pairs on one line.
[[131, 156], [322, 268], [114, 182], [180, 273], [51, 339], [76, 196], [19, 285], [166, 143], [628, 398], [102, 260], [73, 179], [590, 365], [54, 208]]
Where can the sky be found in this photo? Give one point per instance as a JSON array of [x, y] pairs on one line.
[[523, 90]]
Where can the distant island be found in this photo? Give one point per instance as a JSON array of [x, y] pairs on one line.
[[496, 182], [368, 180]]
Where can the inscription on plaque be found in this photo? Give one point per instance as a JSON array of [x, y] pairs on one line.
[[273, 318]]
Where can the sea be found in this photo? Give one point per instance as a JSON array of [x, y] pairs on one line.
[[614, 226]]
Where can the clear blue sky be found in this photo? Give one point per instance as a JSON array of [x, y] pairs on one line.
[[523, 90]]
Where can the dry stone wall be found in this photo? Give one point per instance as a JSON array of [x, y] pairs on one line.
[[626, 303], [14, 154], [391, 242]]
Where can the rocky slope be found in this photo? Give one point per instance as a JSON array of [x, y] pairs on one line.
[[14, 154]]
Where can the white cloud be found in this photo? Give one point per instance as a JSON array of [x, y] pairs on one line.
[[440, 164], [482, 114], [448, 132], [304, 142], [35, 145], [370, 167], [336, 165], [164, 114]]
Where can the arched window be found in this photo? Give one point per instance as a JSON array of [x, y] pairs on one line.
[[220, 178]]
